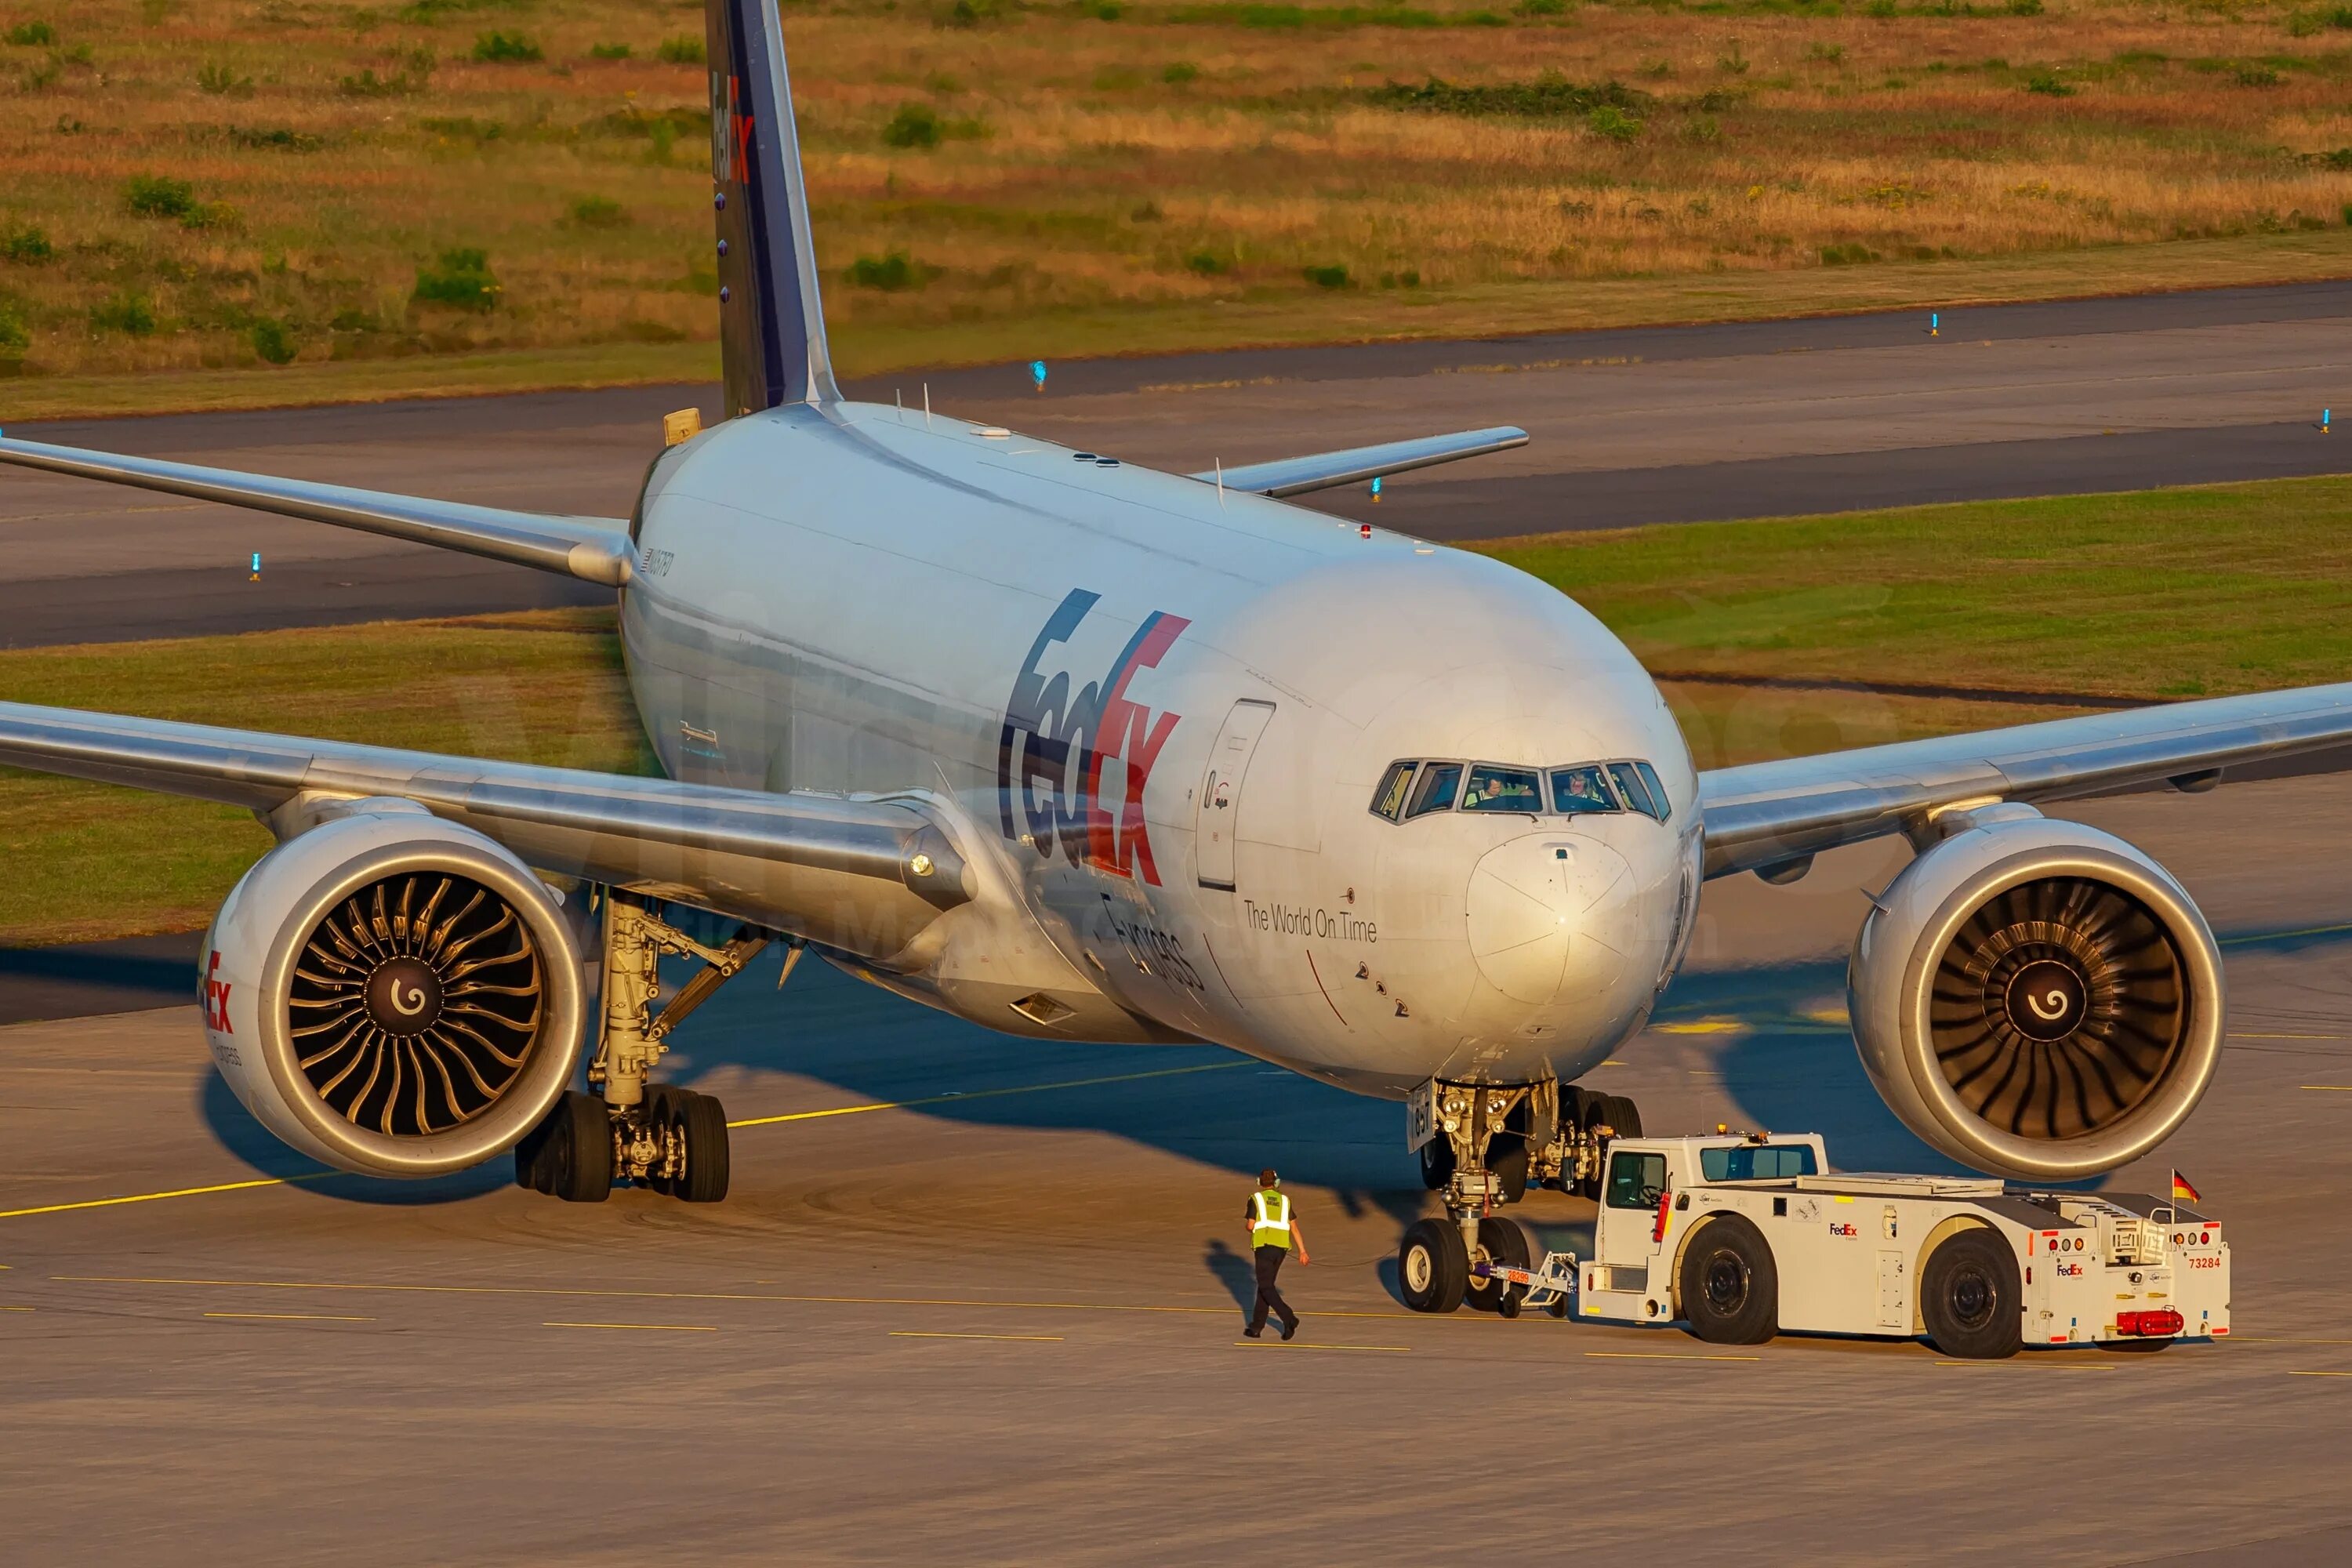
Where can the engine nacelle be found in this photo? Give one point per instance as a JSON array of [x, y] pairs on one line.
[[2036, 998], [393, 994]]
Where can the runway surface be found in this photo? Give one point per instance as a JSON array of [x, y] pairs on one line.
[[975, 1300], [1628, 426]]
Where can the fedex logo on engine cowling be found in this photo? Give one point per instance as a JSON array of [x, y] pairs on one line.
[[1052, 752], [213, 991]]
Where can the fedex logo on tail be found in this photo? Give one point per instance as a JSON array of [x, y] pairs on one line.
[[1052, 752]]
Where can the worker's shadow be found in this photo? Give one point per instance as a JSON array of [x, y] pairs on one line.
[[1236, 1273]]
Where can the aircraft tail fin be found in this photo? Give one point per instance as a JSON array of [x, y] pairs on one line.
[[771, 320]]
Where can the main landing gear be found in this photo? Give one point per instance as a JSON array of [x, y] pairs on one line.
[[672, 1139], [1483, 1145]]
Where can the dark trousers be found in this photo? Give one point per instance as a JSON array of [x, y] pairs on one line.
[[1269, 1263]]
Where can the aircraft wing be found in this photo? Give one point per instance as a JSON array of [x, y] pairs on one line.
[[860, 876], [1770, 814], [595, 548], [1297, 475]]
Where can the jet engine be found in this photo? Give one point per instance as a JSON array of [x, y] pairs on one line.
[[392, 994], [2036, 998]]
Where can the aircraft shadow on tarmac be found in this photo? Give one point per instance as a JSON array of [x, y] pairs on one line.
[[1785, 1068]]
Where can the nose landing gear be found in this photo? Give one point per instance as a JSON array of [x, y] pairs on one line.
[[1481, 1145]]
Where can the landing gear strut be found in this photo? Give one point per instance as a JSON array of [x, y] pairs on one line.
[[672, 1139], [1481, 1145]]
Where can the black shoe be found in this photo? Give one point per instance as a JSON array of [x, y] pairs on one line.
[[1289, 1331], [1252, 1334]]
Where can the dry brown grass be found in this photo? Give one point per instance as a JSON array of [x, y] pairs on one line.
[[1769, 142]]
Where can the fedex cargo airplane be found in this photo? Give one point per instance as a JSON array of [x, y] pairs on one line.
[[1077, 750]]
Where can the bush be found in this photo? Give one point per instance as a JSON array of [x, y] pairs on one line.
[[32, 34], [915, 125], [1176, 73], [1853, 255], [890, 273], [599, 212], [131, 314], [1207, 263], [281, 139], [506, 49], [1102, 10], [1612, 123], [29, 244], [1551, 95], [461, 280], [608, 51], [1333, 277], [686, 49], [2047, 84], [2255, 76], [159, 195], [1540, 8], [14, 336], [273, 341], [221, 82], [416, 71]]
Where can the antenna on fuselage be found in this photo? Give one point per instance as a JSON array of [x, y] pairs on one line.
[[1221, 483], [926, 405]]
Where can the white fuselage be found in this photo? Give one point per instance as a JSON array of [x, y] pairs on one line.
[[1154, 716]]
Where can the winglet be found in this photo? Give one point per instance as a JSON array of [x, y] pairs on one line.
[[771, 321]]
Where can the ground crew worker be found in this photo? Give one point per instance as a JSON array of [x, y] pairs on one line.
[[1274, 1229]]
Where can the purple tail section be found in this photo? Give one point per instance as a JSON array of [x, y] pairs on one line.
[[771, 320]]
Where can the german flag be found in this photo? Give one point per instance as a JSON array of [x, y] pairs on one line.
[[2182, 1193]]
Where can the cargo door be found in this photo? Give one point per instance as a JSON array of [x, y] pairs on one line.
[[1217, 812]]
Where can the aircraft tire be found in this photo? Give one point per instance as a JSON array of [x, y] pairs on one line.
[[1432, 1266], [1507, 1157], [1621, 1114], [580, 1150], [705, 1122], [662, 1116], [1970, 1298], [1437, 1163], [1730, 1285], [1503, 1241], [534, 1162]]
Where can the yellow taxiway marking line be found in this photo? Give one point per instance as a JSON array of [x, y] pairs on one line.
[[924, 1334], [978, 1094], [2053, 1367], [2283, 935], [750, 1121], [650, 1327], [175, 1192], [576, 1292], [2328, 1088], [1703, 1026], [2320, 1375], [291, 1317], [1663, 1355], [1313, 1345], [15, 1309]]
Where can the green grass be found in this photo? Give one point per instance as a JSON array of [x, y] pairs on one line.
[[2148, 595], [2151, 595]]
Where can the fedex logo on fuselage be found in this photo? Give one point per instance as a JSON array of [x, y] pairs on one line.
[[1051, 752], [212, 991]]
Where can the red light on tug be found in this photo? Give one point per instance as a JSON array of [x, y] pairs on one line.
[[2155, 1323]]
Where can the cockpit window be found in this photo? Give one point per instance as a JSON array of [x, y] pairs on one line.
[[1582, 789], [1657, 792], [1389, 799], [1494, 788], [1435, 791], [1630, 785]]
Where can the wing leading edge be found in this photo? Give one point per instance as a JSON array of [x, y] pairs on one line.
[[1325, 470], [1769, 814], [861, 876], [594, 548]]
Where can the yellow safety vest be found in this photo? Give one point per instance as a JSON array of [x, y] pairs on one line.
[[1269, 1219]]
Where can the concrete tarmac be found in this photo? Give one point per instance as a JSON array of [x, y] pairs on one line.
[[978, 1301], [1628, 426]]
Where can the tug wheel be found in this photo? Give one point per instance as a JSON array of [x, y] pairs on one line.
[[1730, 1285], [1433, 1267], [1969, 1296]]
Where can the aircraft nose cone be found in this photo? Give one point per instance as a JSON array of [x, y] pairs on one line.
[[1526, 901]]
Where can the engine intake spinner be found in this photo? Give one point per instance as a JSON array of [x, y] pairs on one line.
[[2037, 999]]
